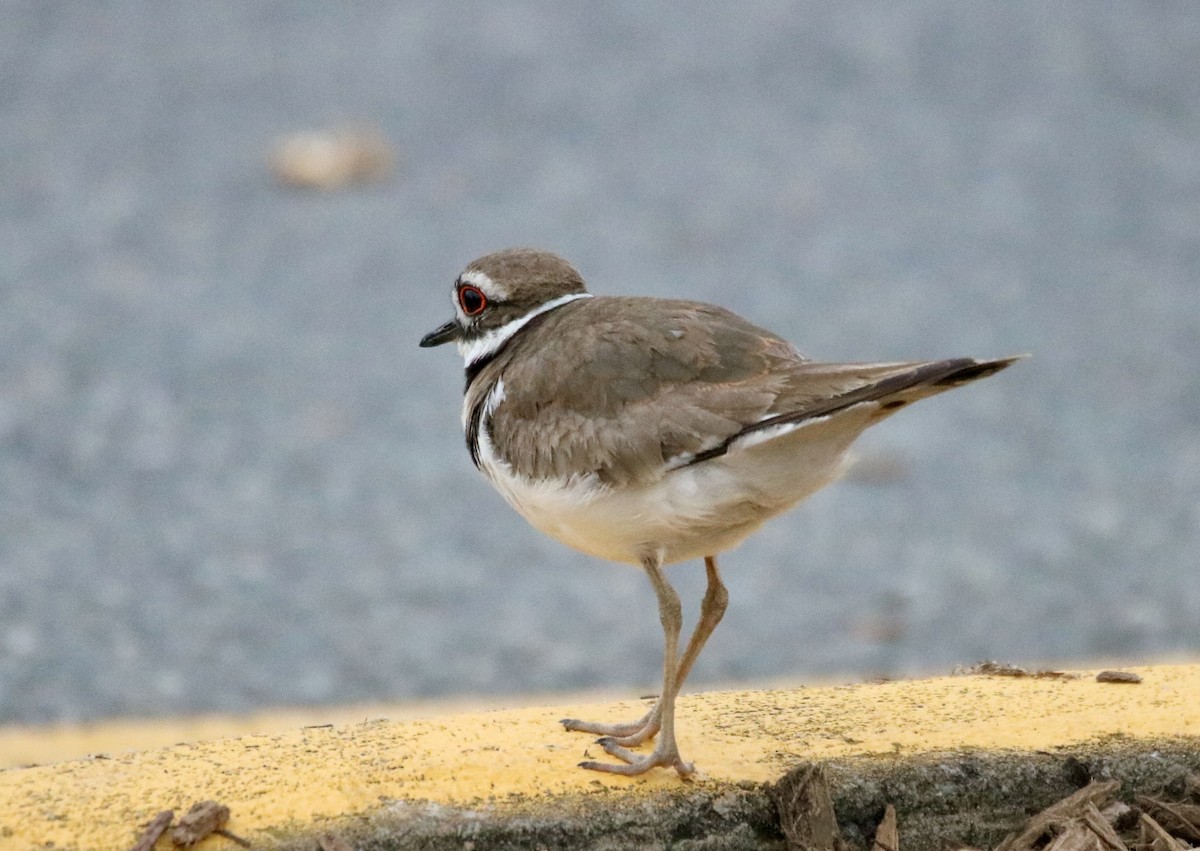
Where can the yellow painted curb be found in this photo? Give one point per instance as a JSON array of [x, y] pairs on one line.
[[296, 777], [26, 745]]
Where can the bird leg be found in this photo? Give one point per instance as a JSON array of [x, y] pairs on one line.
[[712, 609], [618, 737]]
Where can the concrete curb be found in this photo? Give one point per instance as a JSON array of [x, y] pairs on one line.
[[949, 800], [962, 758]]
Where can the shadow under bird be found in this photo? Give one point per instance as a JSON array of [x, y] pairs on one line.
[[652, 431]]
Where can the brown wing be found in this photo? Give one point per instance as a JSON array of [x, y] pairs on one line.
[[623, 387]]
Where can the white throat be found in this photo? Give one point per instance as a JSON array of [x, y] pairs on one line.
[[490, 342]]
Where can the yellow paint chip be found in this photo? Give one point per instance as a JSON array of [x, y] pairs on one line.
[[301, 775]]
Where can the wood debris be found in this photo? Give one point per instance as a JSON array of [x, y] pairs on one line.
[[155, 829], [1155, 838], [1180, 819], [805, 807], [988, 668], [203, 820], [1062, 817], [1089, 820], [887, 836]]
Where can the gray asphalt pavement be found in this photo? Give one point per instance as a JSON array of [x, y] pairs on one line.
[[230, 479]]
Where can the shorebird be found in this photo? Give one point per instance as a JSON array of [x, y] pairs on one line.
[[652, 431]]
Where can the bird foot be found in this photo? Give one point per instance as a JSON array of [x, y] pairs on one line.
[[635, 764], [633, 733]]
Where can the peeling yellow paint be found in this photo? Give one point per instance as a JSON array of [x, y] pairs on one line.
[[301, 775]]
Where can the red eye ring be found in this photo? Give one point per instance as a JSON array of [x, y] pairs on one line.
[[471, 300]]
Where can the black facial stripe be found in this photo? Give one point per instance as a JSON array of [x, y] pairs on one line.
[[477, 366], [473, 423]]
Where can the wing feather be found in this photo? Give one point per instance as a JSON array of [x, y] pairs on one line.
[[625, 388]]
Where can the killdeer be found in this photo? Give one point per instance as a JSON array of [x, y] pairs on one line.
[[652, 431]]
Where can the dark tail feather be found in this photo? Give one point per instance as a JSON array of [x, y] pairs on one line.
[[933, 377], [942, 375], [967, 370]]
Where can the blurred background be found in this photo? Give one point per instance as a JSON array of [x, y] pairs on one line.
[[229, 478]]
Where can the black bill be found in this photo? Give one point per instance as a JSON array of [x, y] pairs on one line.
[[449, 331]]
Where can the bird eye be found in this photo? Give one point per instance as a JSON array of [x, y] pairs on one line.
[[472, 300]]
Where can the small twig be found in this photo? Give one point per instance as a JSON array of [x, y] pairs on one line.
[[1153, 835], [154, 830], [1075, 836], [232, 837], [1100, 826], [1182, 820]]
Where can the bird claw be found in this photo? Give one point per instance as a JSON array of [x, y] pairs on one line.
[[633, 764], [574, 725], [616, 739], [636, 737], [614, 747], [633, 733]]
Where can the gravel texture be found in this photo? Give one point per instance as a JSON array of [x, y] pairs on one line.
[[229, 478]]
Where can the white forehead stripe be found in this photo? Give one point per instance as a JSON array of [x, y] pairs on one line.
[[490, 342], [480, 279]]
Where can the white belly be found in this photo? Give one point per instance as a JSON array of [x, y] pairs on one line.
[[689, 512]]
